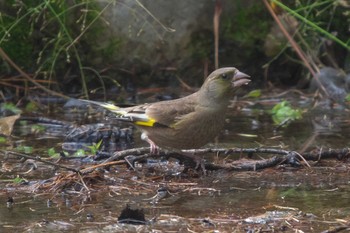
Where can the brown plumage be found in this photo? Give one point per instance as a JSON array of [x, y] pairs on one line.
[[189, 122]]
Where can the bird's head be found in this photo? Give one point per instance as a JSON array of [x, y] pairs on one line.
[[221, 84]]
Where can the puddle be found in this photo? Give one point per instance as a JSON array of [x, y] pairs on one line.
[[279, 198]]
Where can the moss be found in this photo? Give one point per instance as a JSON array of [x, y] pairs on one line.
[[201, 44], [15, 38], [248, 25]]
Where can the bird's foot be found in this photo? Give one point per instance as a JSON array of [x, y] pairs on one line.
[[199, 162], [200, 165], [154, 149]]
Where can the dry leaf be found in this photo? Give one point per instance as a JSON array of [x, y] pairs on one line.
[[6, 124]]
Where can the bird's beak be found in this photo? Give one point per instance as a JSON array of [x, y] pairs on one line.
[[240, 79]]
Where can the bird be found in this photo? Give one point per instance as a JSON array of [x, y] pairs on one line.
[[186, 123]]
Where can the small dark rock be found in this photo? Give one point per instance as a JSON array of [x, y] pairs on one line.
[[130, 216]]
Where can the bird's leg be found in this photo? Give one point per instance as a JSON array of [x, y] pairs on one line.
[[200, 162], [154, 149]]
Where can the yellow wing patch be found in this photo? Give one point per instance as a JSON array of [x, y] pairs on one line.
[[149, 123]]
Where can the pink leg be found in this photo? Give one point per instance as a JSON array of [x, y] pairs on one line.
[[154, 149]]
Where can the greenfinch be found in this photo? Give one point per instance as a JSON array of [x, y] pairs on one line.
[[185, 123]]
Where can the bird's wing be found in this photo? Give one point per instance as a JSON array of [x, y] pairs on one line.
[[138, 115], [168, 113]]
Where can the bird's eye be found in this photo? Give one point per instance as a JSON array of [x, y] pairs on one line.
[[224, 76]]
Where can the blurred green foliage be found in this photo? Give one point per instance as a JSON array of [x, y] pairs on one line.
[[54, 40], [283, 112], [254, 94]]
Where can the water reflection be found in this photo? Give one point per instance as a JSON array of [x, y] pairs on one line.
[[223, 199]]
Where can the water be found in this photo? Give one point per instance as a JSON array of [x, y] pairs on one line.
[[279, 198]]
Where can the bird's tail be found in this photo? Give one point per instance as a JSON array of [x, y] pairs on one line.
[[111, 107], [136, 116]]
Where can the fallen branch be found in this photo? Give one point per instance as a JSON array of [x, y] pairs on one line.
[[286, 157], [186, 157]]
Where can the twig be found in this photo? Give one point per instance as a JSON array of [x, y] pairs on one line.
[[82, 181], [37, 158], [290, 39], [316, 155], [104, 164], [122, 154], [337, 229], [216, 22], [9, 60], [296, 47]]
